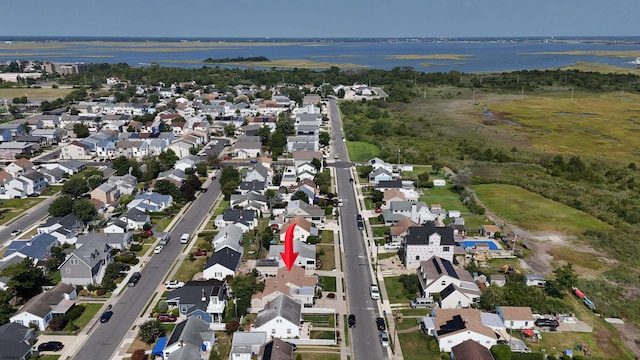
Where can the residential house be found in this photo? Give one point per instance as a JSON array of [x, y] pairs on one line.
[[280, 318], [5, 135], [151, 201], [302, 230], [257, 173], [19, 166], [276, 349], [126, 184], [176, 176], [116, 226], [399, 231], [230, 236], [107, 192], [221, 264], [306, 157], [454, 326], [187, 162], [250, 201], [252, 186], [41, 309], [37, 249], [15, 128], [245, 219], [489, 230], [77, 150], [189, 340], [293, 283], [22, 185], [52, 176], [87, 264], [34, 182], [307, 211], [516, 317], [377, 163], [244, 344], [246, 150], [498, 280], [455, 287], [303, 144], [135, 219], [458, 226], [202, 299], [54, 136], [417, 211], [380, 174], [4, 264], [115, 241], [181, 148], [394, 184], [65, 229], [15, 341], [425, 241], [306, 255], [470, 350]]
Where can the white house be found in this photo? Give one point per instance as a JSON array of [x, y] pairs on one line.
[[423, 242], [451, 327], [221, 264], [280, 318], [302, 230], [455, 287], [245, 344], [151, 201], [189, 340], [534, 280], [306, 254], [516, 317], [41, 309]]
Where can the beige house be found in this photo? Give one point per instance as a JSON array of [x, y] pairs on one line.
[[294, 284], [19, 166], [107, 193], [76, 150]]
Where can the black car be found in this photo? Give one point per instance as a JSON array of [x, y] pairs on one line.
[[51, 346], [381, 324], [133, 280], [352, 321], [547, 323], [106, 316], [360, 225]]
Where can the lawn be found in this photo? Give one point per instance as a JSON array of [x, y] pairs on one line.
[[383, 256], [49, 357], [327, 320], [328, 259], [568, 340], [326, 237], [395, 290], [380, 231], [14, 207], [329, 283], [360, 151], [189, 268], [445, 196], [221, 207], [88, 313], [161, 224], [321, 334], [415, 312], [39, 93], [319, 356], [418, 346], [533, 212]]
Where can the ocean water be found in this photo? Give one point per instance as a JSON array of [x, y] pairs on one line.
[[474, 55]]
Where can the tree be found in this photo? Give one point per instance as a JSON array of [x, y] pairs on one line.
[[81, 130], [26, 280], [166, 187], [265, 135], [243, 287], [317, 164], [300, 195], [121, 165], [139, 354], [230, 130], [61, 206], [150, 331], [168, 158], [213, 161], [6, 310], [189, 187], [55, 259], [462, 179], [324, 138], [94, 181], [201, 169], [423, 179], [75, 187], [566, 277], [84, 210]]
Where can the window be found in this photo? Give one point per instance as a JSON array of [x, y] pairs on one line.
[[443, 283], [67, 271], [73, 261], [289, 331], [273, 331], [417, 257], [445, 248]]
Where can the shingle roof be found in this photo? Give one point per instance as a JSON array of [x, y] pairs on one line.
[[41, 304], [191, 293], [276, 349], [471, 350], [282, 306], [226, 257], [420, 235], [36, 248]]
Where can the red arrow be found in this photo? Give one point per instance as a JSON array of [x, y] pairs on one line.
[[288, 255]]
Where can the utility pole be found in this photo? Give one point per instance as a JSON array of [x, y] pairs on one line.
[[522, 94], [473, 94], [572, 88]]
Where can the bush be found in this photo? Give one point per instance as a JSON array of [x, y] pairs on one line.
[[232, 326], [135, 247], [501, 352], [163, 306], [139, 355], [101, 292], [58, 323], [312, 240], [527, 356], [131, 260], [75, 313]]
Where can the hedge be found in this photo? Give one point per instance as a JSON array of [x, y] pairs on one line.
[[527, 356], [501, 352]]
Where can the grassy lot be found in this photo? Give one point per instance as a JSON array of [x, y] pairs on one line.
[[380, 231], [329, 283], [418, 346], [326, 237], [319, 356], [42, 93], [360, 151], [375, 220], [327, 320], [15, 207], [89, 312], [534, 212], [328, 259], [321, 334], [49, 357], [407, 323], [415, 312], [368, 204], [576, 127], [417, 170], [51, 190], [445, 196], [597, 341], [189, 268], [161, 224], [395, 290], [383, 256], [221, 207]]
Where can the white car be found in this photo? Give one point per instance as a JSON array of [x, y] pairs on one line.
[[384, 339], [174, 284], [16, 232], [158, 249], [375, 293], [392, 246]]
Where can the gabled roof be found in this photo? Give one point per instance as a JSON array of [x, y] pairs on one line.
[[41, 304], [23, 163], [235, 215], [226, 257], [14, 340], [260, 170], [299, 221], [136, 214], [286, 281], [402, 226], [471, 350], [393, 193], [92, 252], [33, 175], [282, 306], [191, 333], [406, 205], [276, 349], [254, 185], [68, 221], [312, 210], [303, 249], [420, 235], [515, 312], [192, 293], [453, 321], [36, 248]]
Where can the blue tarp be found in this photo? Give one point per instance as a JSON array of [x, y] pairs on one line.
[[158, 348]]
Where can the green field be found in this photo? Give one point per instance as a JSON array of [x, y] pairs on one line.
[[40, 93], [445, 197], [418, 346], [533, 212], [360, 151], [12, 208]]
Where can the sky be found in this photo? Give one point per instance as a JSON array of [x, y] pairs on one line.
[[324, 18]]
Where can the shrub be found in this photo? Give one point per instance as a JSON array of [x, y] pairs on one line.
[[139, 355], [131, 260], [57, 323], [163, 306], [527, 356], [101, 292], [75, 312], [232, 326], [313, 240], [501, 352], [135, 247]]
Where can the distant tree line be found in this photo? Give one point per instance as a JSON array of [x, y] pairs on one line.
[[237, 59]]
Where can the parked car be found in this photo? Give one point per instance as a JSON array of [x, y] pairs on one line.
[[51, 346], [384, 339], [158, 249], [253, 161], [381, 324], [174, 284], [352, 321], [166, 318], [374, 292], [148, 232], [106, 316], [392, 246], [547, 323], [133, 280], [378, 211], [203, 189], [16, 232], [213, 177], [124, 267], [200, 253]]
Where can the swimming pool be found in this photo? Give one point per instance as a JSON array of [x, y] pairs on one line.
[[470, 244]]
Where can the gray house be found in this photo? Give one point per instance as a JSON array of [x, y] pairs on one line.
[[87, 265], [203, 299], [14, 341]]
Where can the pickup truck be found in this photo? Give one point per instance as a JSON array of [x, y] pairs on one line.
[[375, 293]]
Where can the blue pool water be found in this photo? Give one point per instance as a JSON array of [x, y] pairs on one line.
[[472, 243]]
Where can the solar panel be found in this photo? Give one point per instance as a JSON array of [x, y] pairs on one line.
[[449, 268], [436, 265]]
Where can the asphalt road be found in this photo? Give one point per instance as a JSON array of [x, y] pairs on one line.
[[106, 337], [357, 267], [33, 216]]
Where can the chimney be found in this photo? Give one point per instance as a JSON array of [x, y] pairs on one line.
[[204, 298]]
